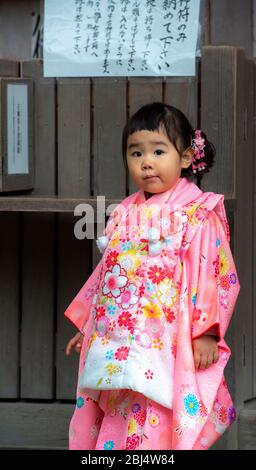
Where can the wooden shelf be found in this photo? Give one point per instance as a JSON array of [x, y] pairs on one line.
[[47, 204], [59, 204]]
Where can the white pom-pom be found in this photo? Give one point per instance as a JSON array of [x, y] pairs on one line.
[[102, 243], [153, 234], [154, 248]]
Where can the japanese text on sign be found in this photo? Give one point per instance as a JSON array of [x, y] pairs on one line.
[[120, 37]]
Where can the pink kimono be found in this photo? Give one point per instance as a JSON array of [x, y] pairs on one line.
[[166, 277]]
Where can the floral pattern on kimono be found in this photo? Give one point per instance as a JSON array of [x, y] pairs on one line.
[[134, 303]]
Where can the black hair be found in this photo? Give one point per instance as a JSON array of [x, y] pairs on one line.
[[152, 116]]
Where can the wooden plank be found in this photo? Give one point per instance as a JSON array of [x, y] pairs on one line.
[[217, 115], [247, 429], [73, 256], [109, 118], [74, 128], [37, 351], [10, 289], [38, 270], [19, 181], [231, 23], [142, 91], [244, 228], [182, 93], [47, 204], [205, 21], [34, 425], [10, 305], [16, 23], [9, 68], [74, 267], [254, 233], [246, 206], [44, 127]]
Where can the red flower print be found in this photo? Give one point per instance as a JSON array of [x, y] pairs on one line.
[[174, 349], [100, 312], [217, 267], [156, 274], [124, 319], [140, 417], [169, 315], [139, 271], [168, 271], [149, 374], [141, 290], [112, 325], [223, 414], [131, 325], [111, 259], [121, 354], [132, 442], [197, 314], [225, 282], [203, 409]]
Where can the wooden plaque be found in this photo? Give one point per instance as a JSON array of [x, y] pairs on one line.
[[16, 134]]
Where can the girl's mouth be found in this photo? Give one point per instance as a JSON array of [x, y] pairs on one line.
[[151, 178]]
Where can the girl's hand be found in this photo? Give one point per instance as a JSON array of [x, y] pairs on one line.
[[75, 342], [205, 351]]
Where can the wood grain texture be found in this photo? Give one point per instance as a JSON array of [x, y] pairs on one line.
[[10, 305], [16, 26], [9, 68], [74, 145], [231, 23], [109, 118], [38, 300], [182, 93], [34, 425], [217, 115], [244, 241]]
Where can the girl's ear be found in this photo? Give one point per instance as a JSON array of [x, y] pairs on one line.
[[187, 157]]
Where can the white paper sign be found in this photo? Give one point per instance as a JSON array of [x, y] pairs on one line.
[[17, 129], [103, 38]]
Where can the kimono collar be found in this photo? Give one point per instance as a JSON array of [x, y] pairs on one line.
[[181, 194]]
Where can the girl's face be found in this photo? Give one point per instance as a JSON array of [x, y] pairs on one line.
[[153, 162]]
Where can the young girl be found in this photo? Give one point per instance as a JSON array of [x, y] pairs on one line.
[[154, 312]]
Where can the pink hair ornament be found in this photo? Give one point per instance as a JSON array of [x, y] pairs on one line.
[[198, 144]]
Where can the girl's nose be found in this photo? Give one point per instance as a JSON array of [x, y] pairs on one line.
[[146, 163]]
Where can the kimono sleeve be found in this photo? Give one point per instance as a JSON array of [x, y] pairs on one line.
[[79, 309], [218, 285]]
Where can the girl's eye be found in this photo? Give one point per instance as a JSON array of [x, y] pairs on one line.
[[158, 152], [133, 154]]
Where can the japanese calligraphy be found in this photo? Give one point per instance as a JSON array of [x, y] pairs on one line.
[[122, 37]]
